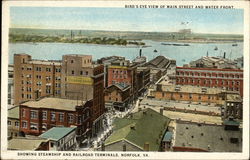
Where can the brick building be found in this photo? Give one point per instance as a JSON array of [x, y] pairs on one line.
[[37, 117], [118, 95], [75, 77], [159, 67], [35, 78], [13, 122], [143, 79], [83, 80], [229, 79], [233, 107], [123, 72], [189, 93]]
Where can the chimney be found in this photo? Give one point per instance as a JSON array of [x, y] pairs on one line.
[[146, 146], [161, 111], [132, 127]]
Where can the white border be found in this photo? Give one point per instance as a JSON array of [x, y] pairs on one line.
[[152, 155]]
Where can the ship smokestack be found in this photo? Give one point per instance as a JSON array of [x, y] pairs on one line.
[[224, 55], [140, 52]]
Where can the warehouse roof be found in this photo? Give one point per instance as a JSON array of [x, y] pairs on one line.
[[207, 137], [13, 112], [21, 143], [146, 126], [56, 133], [54, 103], [190, 89]]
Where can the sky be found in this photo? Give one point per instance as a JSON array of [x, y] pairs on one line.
[[225, 21]]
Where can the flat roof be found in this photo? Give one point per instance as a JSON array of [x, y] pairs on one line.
[[209, 69], [13, 112], [56, 133], [43, 62], [25, 143], [234, 97], [181, 105], [191, 89], [54, 103], [207, 137]]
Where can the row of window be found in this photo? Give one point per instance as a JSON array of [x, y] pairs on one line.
[[85, 61], [183, 80], [191, 96], [40, 69], [34, 115], [81, 72], [28, 96], [16, 123], [208, 74], [117, 72], [121, 76]]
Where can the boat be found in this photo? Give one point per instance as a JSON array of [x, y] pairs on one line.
[[166, 44], [216, 48], [155, 51], [235, 44], [175, 44]]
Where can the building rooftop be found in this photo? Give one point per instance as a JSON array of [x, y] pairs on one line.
[[191, 89], [207, 137], [13, 112], [44, 62], [209, 69], [22, 143], [56, 133], [145, 126], [233, 97], [211, 62], [181, 105], [158, 62], [167, 137], [54, 103]]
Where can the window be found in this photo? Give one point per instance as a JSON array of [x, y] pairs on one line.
[[38, 69], [181, 95], [87, 72], [23, 112], [48, 69], [44, 126], [190, 96], [17, 124], [81, 72], [51, 144], [33, 126], [24, 124], [53, 116], [58, 70], [33, 114], [70, 118], [199, 97], [72, 72], [87, 113], [44, 115], [61, 116], [38, 76], [72, 61], [9, 123]]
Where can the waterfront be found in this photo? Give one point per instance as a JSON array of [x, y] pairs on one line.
[[182, 54]]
